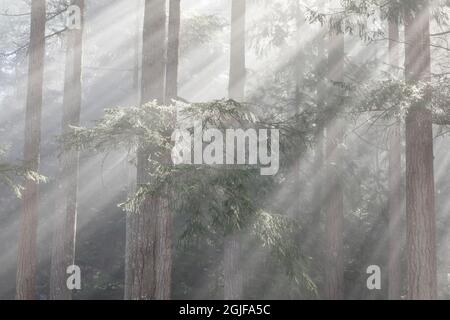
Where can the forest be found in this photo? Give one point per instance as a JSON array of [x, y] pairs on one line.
[[224, 150]]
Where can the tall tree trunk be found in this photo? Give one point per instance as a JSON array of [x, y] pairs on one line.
[[299, 81], [420, 215], [236, 84], [334, 198], [300, 59], [143, 276], [26, 265], [137, 52], [131, 181], [63, 248], [233, 280], [395, 199], [164, 229], [316, 236], [164, 250], [173, 45]]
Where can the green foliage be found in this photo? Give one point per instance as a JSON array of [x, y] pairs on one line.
[[278, 233], [359, 18], [197, 30], [274, 29], [10, 173], [214, 201], [394, 98], [355, 15], [127, 128]]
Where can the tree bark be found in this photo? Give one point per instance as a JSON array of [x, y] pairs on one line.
[[137, 50], [142, 242], [236, 85], [316, 236], [333, 194], [420, 215], [64, 239], [131, 181], [26, 265], [164, 229], [153, 51], [233, 280], [395, 168], [164, 250], [299, 81], [143, 276], [173, 45]]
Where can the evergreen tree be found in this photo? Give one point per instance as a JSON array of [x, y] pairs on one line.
[[26, 264]]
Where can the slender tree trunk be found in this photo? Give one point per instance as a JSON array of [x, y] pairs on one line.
[[153, 52], [164, 250], [319, 135], [143, 277], [26, 265], [164, 230], [142, 242], [395, 168], [299, 81], [334, 198], [233, 280], [173, 45], [137, 52], [300, 59], [131, 181], [316, 237], [236, 85], [63, 249], [420, 215]]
